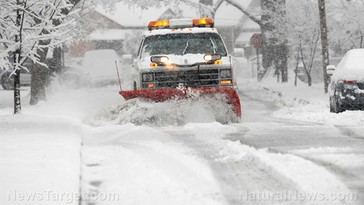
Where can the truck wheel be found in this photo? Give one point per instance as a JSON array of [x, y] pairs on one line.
[[6, 82]]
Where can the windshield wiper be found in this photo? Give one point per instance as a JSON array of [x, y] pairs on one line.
[[213, 45], [187, 45]]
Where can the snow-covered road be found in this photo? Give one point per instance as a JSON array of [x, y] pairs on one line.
[[263, 160]]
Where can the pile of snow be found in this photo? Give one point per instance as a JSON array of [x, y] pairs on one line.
[[173, 112], [301, 103]]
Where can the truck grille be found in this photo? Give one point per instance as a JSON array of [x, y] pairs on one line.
[[188, 78]]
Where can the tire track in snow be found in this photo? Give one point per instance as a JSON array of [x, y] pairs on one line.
[[144, 166], [237, 177], [284, 136]]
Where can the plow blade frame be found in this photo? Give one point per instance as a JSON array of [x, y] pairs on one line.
[[164, 94]]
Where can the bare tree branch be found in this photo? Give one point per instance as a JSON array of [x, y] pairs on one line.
[[245, 12]]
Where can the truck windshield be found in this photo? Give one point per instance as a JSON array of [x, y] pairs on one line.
[[186, 43]]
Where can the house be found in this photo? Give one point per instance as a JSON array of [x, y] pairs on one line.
[[98, 32], [115, 28], [248, 29]]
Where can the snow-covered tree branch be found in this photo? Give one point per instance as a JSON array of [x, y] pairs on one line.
[[42, 21], [29, 31]]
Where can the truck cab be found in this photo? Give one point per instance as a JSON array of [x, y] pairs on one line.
[[183, 53], [181, 58]]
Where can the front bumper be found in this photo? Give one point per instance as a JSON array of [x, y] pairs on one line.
[[352, 99]]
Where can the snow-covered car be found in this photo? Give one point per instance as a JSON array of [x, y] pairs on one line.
[[347, 82], [99, 67], [7, 81]]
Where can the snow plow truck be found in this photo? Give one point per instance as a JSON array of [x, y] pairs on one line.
[[178, 57]]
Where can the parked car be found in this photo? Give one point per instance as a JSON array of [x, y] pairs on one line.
[[99, 67], [7, 81], [96, 68], [347, 82]]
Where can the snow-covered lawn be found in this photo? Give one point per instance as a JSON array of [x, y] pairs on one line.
[[39, 160], [39, 156]]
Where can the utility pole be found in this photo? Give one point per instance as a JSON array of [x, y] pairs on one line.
[[17, 57], [324, 43]]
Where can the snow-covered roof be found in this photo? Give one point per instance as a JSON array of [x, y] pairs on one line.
[[108, 35]]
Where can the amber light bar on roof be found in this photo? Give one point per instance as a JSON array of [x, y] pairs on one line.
[[159, 24], [203, 22], [180, 23]]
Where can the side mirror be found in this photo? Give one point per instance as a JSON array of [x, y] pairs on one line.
[[330, 69]]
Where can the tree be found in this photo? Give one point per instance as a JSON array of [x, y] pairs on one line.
[[304, 34], [324, 42], [49, 48], [346, 25], [272, 22], [38, 31]]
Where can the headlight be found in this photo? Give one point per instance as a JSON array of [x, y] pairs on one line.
[[164, 60], [160, 60], [225, 73], [148, 77], [211, 58]]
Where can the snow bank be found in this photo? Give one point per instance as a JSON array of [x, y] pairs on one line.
[[301, 103], [40, 148]]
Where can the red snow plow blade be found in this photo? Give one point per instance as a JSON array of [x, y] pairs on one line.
[[164, 94]]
